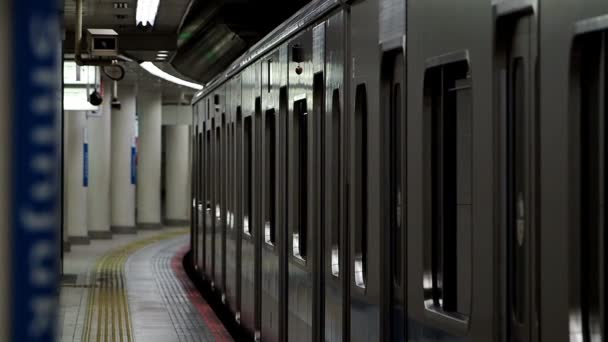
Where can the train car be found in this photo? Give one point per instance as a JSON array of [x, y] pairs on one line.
[[391, 170]]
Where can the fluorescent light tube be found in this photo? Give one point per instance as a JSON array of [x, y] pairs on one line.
[[146, 12], [154, 70]]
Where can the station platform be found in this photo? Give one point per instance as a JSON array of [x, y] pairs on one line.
[[134, 288]]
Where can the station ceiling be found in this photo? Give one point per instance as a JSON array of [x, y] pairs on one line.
[[181, 27]]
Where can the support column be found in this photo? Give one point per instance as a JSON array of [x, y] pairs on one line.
[[98, 199], [76, 194], [149, 103], [122, 147], [176, 187]]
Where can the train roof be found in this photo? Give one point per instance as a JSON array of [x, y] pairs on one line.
[[301, 19]]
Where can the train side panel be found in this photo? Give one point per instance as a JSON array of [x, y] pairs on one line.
[[451, 251], [573, 239]]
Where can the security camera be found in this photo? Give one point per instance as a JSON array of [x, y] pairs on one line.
[[95, 98], [102, 42]]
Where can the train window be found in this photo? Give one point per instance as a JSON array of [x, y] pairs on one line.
[[269, 74], [270, 161], [395, 180], [335, 180], [300, 150], [247, 176], [588, 94], [361, 174], [447, 103]]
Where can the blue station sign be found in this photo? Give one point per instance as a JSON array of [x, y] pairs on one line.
[[36, 106]]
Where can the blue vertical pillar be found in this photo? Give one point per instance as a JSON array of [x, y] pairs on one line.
[[34, 226]]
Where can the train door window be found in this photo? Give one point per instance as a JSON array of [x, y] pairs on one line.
[[590, 257], [514, 60], [230, 174], [447, 104], [361, 174], [300, 183], [335, 180], [238, 170], [247, 176], [208, 173], [395, 180], [393, 73], [516, 207], [257, 159], [200, 176], [194, 189], [270, 165], [218, 176]]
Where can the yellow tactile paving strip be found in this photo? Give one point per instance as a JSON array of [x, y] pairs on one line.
[[108, 318]]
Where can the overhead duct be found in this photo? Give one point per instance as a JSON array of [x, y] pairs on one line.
[[215, 32], [209, 54]]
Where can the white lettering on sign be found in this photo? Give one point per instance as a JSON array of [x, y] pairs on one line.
[[42, 310], [42, 254], [43, 135]]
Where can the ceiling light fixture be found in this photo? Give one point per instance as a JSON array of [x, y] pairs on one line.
[[154, 70], [146, 12], [162, 55]]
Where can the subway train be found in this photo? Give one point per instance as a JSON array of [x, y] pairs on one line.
[[392, 170]]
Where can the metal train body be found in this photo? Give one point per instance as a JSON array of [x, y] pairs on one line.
[[391, 170]]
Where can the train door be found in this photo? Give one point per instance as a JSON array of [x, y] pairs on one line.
[[209, 181], [301, 190], [392, 107], [393, 95], [364, 184], [333, 266], [573, 93], [239, 203], [273, 105], [233, 237], [194, 186], [202, 204], [220, 180], [258, 176], [516, 63], [202, 165], [251, 232], [318, 187], [198, 205]]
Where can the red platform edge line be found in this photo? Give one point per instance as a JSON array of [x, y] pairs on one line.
[[213, 323]]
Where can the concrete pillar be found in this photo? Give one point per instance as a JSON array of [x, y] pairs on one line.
[[149, 102], [122, 190], [98, 199], [76, 194], [177, 174]]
